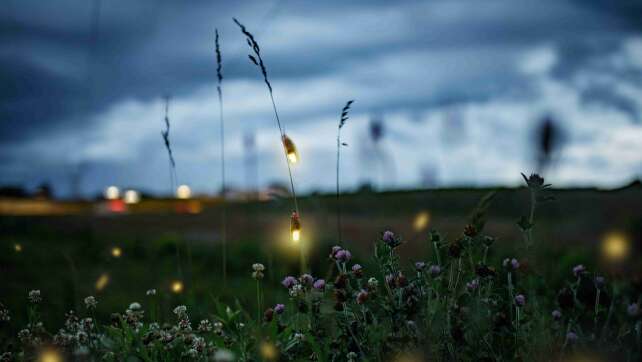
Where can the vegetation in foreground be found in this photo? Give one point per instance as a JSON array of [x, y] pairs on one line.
[[456, 306]]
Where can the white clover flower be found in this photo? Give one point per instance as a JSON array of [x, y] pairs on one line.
[[373, 283], [299, 336], [4, 315], [296, 290], [135, 307], [205, 326], [151, 292], [258, 267], [218, 326], [180, 310], [34, 296], [90, 302]]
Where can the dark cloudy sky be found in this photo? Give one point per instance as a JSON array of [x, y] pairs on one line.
[[460, 86]]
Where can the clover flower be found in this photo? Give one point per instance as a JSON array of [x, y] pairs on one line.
[[150, 292], [388, 237], [136, 307], [306, 279], [299, 336], [296, 291], [362, 297], [334, 251], [472, 285], [4, 314], [434, 270], [343, 255], [279, 309], [373, 283], [571, 337], [520, 300], [352, 356], [512, 263], [357, 270], [556, 314], [205, 326], [180, 310], [34, 296], [289, 282], [90, 302], [599, 281], [258, 271], [633, 309], [579, 270], [319, 284]]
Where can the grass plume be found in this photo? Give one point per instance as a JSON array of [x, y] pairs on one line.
[[219, 89], [168, 146], [342, 122]]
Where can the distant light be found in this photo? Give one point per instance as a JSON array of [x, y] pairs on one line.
[[177, 286], [615, 246], [17, 247], [102, 281], [421, 221], [112, 193], [116, 252], [183, 192], [296, 235], [49, 355], [131, 197]]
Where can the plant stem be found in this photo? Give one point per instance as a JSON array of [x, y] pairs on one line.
[[338, 190]]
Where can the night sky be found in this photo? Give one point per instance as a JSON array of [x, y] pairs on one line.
[[460, 87]]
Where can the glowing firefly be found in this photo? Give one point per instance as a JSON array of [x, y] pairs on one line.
[[421, 221], [177, 286], [183, 192], [116, 252], [269, 352], [290, 150], [49, 355], [615, 246], [102, 281], [112, 193], [17, 247], [295, 227]]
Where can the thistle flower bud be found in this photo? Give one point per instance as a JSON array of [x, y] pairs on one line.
[[556, 314], [599, 281], [362, 297], [388, 238], [633, 309], [268, 315], [420, 265]]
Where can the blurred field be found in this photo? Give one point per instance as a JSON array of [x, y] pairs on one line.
[[65, 255]]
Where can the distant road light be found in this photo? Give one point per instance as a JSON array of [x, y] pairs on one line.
[[112, 193], [102, 281], [183, 192], [421, 221], [131, 197]]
